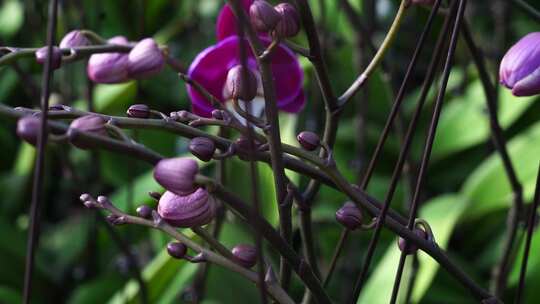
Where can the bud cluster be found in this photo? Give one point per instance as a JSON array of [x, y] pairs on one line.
[[283, 21]]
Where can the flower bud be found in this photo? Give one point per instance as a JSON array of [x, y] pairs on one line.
[[144, 211], [308, 140], [138, 111], [41, 56], [203, 148], [520, 67], [263, 16], [195, 209], [109, 67], [177, 250], [350, 216], [177, 174], [237, 88], [90, 123], [28, 128], [289, 22], [245, 255], [411, 248], [74, 39], [145, 59]]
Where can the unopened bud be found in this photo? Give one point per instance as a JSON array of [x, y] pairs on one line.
[[408, 247], [28, 128], [41, 56], [349, 216], [177, 250], [74, 39], [203, 148], [144, 211], [138, 111], [245, 255], [241, 84], [289, 23], [308, 140], [145, 59], [263, 16]]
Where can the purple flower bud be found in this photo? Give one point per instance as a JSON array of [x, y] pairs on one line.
[[263, 16], [90, 123], [236, 88], [289, 23], [144, 211], [308, 140], [203, 148], [138, 111], [195, 209], [109, 67], [411, 248], [74, 39], [41, 56], [350, 216], [145, 59], [520, 67], [177, 174], [217, 114], [177, 250], [245, 255], [28, 128]]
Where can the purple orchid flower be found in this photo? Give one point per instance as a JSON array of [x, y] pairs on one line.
[[211, 66], [520, 67]]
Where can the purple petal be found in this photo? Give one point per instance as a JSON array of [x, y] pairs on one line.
[[521, 60], [109, 67], [296, 105], [529, 85], [211, 66], [226, 22]]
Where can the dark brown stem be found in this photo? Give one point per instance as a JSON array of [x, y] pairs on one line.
[[530, 230], [500, 272], [37, 186]]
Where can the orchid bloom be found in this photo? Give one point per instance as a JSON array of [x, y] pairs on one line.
[[520, 67], [211, 66]]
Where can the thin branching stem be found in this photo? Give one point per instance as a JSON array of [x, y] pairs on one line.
[[530, 230], [37, 185]]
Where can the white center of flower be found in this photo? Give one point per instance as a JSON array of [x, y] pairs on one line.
[[256, 108]]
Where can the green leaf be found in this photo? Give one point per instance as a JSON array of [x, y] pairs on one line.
[[97, 290], [9, 296], [464, 121], [112, 98], [533, 265], [11, 18], [488, 189], [442, 214]]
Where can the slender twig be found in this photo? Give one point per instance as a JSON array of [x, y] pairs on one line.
[[331, 177], [530, 230], [392, 116], [388, 40], [213, 242], [157, 223], [527, 8], [500, 272], [253, 170], [37, 186], [426, 155], [273, 136]]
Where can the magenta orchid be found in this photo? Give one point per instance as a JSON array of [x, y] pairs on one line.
[[211, 66]]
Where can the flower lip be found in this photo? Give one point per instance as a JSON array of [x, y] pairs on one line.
[[195, 209], [145, 59], [211, 66], [177, 174], [520, 66]]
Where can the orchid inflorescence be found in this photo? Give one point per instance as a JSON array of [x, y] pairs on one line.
[[227, 85]]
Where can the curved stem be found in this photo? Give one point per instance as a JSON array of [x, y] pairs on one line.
[[388, 40]]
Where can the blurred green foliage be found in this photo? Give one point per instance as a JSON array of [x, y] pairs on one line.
[[465, 199]]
